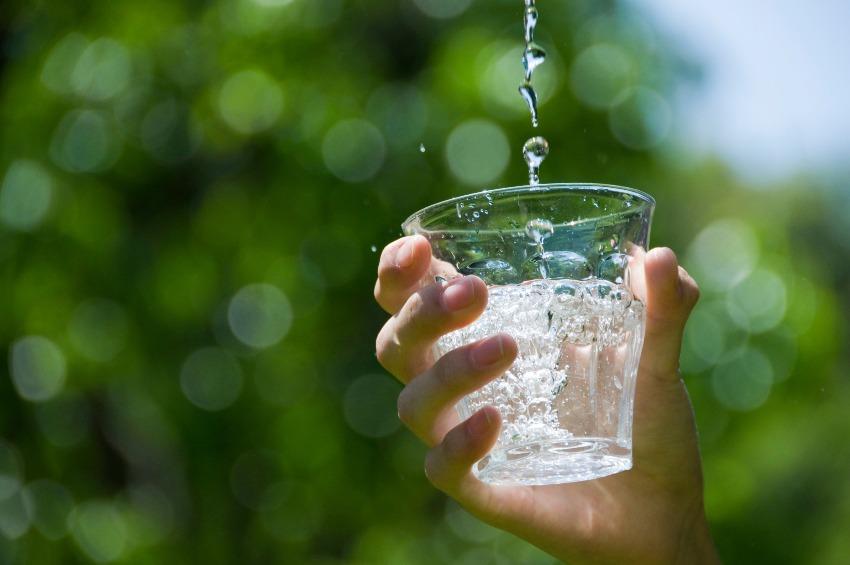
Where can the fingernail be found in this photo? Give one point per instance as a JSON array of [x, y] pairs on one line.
[[488, 352], [458, 294], [404, 257], [480, 423]]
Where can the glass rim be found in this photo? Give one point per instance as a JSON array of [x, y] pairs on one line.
[[550, 188]]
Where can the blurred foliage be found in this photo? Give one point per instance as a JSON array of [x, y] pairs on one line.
[[192, 198]]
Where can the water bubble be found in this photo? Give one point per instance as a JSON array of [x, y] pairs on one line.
[[530, 97], [558, 265], [374, 248], [211, 379], [38, 368], [613, 267], [529, 21], [422, 148], [534, 152], [539, 229], [491, 271], [532, 57]]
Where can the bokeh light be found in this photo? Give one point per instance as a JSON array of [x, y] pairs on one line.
[[250, 101], [640, 118], [442, 9], [744, 381], [758, 302], [62, 61], [723, 254], [102, 71], [477, 152], [38, 368], [100, 530], [15, 514], [25, 196], [211, 378], [64, 420], [98, 329], [259, 315], [601, 73], [369, 405], [354, 150], [52, 504], [84, 141], [10, 470]]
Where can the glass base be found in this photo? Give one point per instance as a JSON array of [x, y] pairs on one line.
[[554, 462]]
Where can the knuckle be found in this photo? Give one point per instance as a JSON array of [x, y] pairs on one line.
[[434, 469], [385, 351], [444, 371], [455, 444]]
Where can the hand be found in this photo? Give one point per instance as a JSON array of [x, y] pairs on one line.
[[652, 513]]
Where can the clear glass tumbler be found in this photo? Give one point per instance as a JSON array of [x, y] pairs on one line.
[[557, 260]]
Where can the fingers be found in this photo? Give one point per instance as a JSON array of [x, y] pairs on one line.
[[404, 343], [426, 405], [449, 465], [401, 268], [671, 294]]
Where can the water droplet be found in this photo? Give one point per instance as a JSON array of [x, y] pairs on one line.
[[458, 206], [535, 151], [539, 229], [529, 3], [532, 57], [529, 21], [374, 248], [440, 280], [422, 148], [530, 97]]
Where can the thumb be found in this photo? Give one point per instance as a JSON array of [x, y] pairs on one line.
[[670, 295]]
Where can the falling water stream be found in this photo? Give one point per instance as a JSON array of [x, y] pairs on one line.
[[536, 149]]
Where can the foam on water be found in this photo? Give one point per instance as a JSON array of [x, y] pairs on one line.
[[566, 402]]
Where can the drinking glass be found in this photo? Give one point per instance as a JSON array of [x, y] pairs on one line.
[[558, 260]]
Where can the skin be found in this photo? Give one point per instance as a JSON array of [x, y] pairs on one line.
[[652, 513]]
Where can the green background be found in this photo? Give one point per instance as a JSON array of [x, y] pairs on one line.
[[192, 198]]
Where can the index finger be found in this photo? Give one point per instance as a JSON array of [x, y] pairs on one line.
[[405, 266]]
